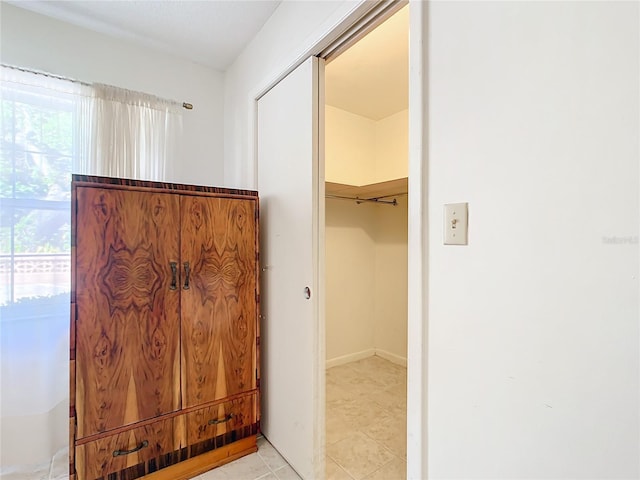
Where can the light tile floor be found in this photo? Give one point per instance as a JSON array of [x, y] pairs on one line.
[[265, 464], [366, 422], [366, 419]]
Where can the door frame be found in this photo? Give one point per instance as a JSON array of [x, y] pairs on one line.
[[364, 14]]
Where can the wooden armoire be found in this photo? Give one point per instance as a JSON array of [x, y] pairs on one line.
[[164, 328]]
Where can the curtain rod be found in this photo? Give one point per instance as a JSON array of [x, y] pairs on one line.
[[185, 105]]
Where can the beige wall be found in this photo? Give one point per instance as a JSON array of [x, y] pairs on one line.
[[392, 147], [366, 244], [359, 151], [350, 278], [350, 146], [390, 335]]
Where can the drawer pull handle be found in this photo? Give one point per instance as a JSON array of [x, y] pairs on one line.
[[117, 453], [187, 270], [174, 276], [215, 421]]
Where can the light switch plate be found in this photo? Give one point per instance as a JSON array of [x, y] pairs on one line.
[[455, 223]]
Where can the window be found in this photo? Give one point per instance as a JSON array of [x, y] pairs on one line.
[[37, 151], [47, 128]]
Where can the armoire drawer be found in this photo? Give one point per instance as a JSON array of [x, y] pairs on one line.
[[214, 427], [132, 453]]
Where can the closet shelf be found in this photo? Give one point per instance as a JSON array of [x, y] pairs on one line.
[[373, 191]]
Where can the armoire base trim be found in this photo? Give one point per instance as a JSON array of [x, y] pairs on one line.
[[205, 462]]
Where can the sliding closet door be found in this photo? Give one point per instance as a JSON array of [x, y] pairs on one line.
[[289, 164]]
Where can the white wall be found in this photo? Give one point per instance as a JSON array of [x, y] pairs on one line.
[[293, 29], [34, 41], [533, 327]]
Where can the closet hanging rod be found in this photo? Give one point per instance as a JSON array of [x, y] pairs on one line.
[[393, 202]]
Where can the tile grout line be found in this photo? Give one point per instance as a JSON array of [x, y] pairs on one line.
[[341, 467], [271, 471], [383, 446], [280, 468], [380, 468], [266, 474], [392, 453]]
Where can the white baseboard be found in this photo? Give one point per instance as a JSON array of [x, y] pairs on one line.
[[392, 357], [352, 357]]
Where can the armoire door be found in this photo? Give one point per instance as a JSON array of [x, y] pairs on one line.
[[218, 302], [291, 182], [128, 328]]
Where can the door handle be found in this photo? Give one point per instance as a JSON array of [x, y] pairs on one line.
[[307, 293], [118, 453], [187, 270], [174, 276], [215, 421]]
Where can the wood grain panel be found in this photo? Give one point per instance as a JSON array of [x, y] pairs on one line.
[[221, 419], [258, 315], [219, 312], [72, 450], [127, 327], [167, 187], [72, 340], [154, 441]]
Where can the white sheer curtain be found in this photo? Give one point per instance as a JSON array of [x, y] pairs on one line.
[[49, 128], [133, 135], [38, 147]]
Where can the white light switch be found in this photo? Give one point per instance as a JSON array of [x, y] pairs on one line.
[[455, 223]]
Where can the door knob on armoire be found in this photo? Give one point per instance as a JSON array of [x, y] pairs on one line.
[[307, 293]]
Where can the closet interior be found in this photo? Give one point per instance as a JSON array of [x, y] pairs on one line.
[[366, 167]]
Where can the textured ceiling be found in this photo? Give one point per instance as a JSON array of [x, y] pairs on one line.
[[210, 32], [371, 78]]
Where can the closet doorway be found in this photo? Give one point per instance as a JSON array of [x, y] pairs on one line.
[[366, 170]]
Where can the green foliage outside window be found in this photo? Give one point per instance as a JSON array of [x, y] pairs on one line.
[[36, 148]]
